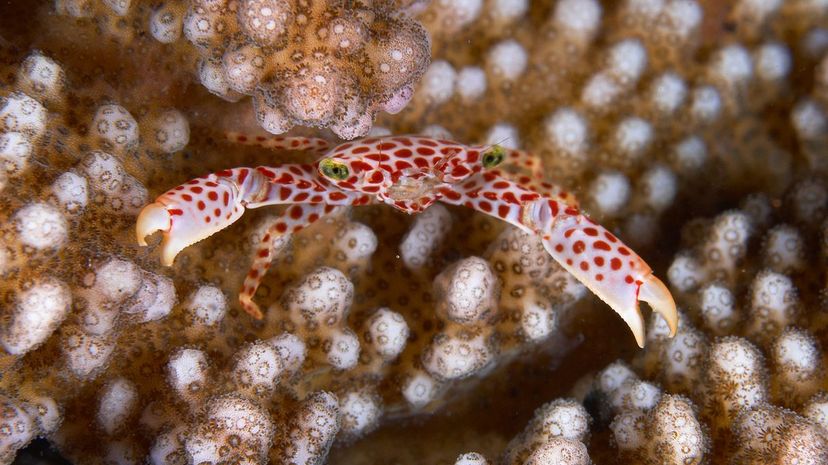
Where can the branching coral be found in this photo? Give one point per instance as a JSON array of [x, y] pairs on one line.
[[329, 64]]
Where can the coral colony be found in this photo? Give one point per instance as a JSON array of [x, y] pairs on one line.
[[601, 148]]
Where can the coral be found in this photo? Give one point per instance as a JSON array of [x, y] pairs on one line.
[[694, 129], [328, 65]]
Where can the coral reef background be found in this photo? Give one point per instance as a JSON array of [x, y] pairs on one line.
[[695, 130]]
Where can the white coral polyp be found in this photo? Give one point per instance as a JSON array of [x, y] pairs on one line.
[[344, 351], [115, 126], [388, 333], [17, 428], [437, 85], [39, 311], [165, 24], [419, 389], [610, 192], [117, 279], [560, 451], [187, 372], [360, 412], [683, 18], [690, 154], [633, 137], [471, 83], [117, 402], [170, 131], [579, 19], [773, 61], [259, 366], [660, 187], [314, 429], [706, 104], [717, 308], [86, 354], [809, 120], [21, 113], [291, 350], [427, 233], [503, 134], [323, 296], [467, 290], [507, 60], [627, 61], [567, 130], [668, 92], [564, 418], [450, 358], [231, 426], [154, 299], [207, 305], [15, 150], [355, 242], [507, 11], [71, 191], [41, 226], [42, 75], [471, 458], [600, 91], [733, 65]]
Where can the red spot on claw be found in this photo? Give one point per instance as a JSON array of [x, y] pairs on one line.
[[623, 251], [615, 264], [601, 245], [212, 196], [578, 247], [628, 279]]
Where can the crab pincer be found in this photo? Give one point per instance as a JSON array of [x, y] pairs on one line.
[[194, 211]]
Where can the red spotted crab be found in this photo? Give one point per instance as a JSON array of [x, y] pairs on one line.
[[408, 173]]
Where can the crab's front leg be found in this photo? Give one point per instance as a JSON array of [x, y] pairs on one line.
[[598, 259], [201, 207], [197, 209]]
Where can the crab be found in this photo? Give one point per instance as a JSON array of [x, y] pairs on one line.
[[408, 173]]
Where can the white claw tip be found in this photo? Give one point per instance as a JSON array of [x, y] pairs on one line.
[[154, 217], [655, 293]]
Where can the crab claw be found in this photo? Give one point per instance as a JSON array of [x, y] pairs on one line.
[[153, 217], [189, 213], [655, 293], [611, 270]]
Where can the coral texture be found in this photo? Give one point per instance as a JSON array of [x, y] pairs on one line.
[[694, 130], [323, 64]]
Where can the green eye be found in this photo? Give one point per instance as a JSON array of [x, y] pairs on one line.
[[333, 169], [493, 157]]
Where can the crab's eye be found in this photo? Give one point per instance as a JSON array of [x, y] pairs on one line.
[[333, 169], [493, 157]]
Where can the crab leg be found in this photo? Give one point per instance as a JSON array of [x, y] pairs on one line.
[[313, 144], [591, 253], [296, 218], [203, 206]]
